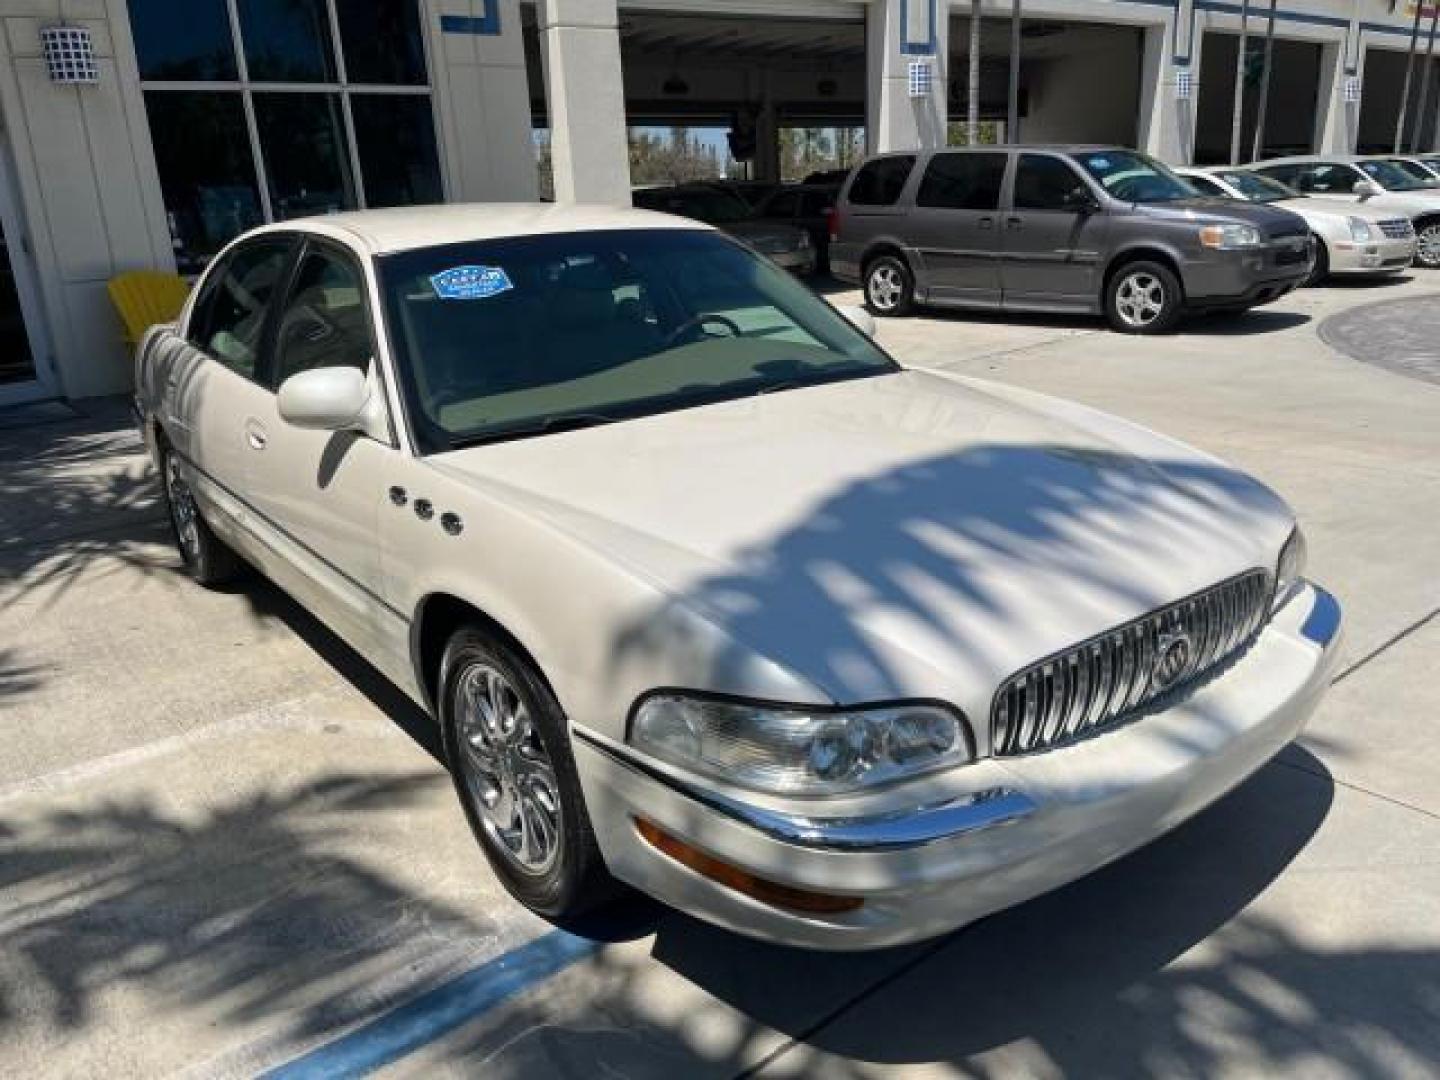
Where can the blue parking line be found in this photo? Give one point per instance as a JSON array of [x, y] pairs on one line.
[[390, 1037]]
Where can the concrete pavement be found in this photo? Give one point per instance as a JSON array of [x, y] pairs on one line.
[[224, 841]]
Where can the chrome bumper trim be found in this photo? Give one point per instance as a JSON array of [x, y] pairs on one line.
[[895, 830]]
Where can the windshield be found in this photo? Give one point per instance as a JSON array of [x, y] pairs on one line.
[[1415, 171], [1134, 177], [528, 335], [713, 207], [1390, 176], [1258, 188]]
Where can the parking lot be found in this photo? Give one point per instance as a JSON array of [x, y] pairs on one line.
[[227, 846]]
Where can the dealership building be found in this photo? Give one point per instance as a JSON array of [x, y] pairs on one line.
[[146, 133]]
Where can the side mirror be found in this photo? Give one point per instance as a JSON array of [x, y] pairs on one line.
[[1367, 189], [326, 399], [859, 318]]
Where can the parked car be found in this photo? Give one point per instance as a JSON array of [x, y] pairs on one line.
[[833, 178], [808, 207], [1369, 182], [780, 242], [751, 192], [811, 645], [1058, 228], [1349, 240]]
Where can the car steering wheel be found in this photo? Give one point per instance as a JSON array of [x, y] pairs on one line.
[[696, 321]]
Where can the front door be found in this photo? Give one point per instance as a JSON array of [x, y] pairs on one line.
[[955, 226], [21, 331], [1052, 238]]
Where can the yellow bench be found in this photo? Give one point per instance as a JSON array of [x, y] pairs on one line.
[[146, 297]]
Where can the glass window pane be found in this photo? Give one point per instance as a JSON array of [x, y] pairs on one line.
[[307, 162], [207, 176], [382, 41], [1046, 183], [287, 40], [324, 322], [396, 138], [963, 181], [233, 319], [182, 39]]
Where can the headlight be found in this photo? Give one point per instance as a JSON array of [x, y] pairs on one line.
[[1290, 569], [1232, 236], [794, 750], [1361, 231]]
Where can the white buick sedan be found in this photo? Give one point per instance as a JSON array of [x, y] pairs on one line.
[[709, 595]]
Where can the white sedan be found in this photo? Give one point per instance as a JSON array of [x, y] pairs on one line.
[[1349, 239], [709, 595]]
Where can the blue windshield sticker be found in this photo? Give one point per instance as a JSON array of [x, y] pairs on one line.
[[470, 282], [1099, 163]]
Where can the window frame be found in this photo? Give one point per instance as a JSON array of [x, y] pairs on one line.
[[318, 245], [205, 295], [243, 85]]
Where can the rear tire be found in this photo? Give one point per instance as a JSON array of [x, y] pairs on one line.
[[208, 559], [1143, 297], [889, 286], [508, 747]]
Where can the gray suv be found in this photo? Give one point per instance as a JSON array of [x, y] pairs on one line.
[[1058, 228]]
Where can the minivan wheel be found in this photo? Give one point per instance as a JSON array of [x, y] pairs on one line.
[[1427, 245], [1143, 298], [889, 286], [509, 751]]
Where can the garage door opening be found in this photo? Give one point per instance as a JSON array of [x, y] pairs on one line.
[[1380, 95], [1079, 82], [1289, 113], [735, 97]]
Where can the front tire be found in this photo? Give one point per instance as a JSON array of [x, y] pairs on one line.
[[889, 286], [509, 753], [207, 558], [1322, 265], [1143, 298], [1427, 244]]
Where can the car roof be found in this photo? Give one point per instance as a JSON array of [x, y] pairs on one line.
[[1313, 159], [380, 232]]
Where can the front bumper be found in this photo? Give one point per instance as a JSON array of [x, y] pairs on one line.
[[1376, 257], [1219, 279], [1005, 830]]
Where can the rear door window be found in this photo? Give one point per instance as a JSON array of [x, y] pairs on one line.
[[1330, 179], [881, 181], [969, 181]]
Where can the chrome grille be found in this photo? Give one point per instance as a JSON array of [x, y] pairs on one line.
[[1397, 228], [1109, 677]]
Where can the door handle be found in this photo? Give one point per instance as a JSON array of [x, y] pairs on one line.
[[985, 223], [1014, 222], [255, 434]]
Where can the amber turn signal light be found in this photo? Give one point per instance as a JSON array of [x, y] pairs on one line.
[[767, 892]]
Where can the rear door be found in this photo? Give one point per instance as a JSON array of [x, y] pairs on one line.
[[1054, 236], [955, 225], [213, 384]]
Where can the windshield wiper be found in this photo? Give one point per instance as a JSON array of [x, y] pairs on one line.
[[550, 425]]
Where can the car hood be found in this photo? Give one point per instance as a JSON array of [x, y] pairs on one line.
[[1270, 219], [1316, 211], [902, 535], [764, 235]]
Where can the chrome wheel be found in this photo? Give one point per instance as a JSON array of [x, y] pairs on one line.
[[184, 515], [885, 287], [1139, 299], [1427, 246], [507, 771]]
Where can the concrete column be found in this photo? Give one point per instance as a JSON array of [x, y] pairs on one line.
[[482, 99], [1336, 120], [1166, 127], [580, 43], [893, 119]]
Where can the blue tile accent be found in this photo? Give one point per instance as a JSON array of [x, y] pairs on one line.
[[487, 24], [918, 48]]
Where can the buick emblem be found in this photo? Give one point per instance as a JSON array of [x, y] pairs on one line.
[[1172, 660]]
